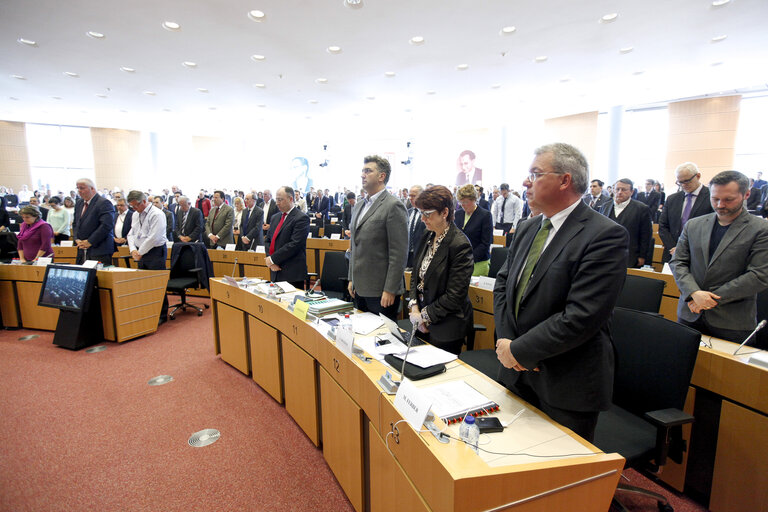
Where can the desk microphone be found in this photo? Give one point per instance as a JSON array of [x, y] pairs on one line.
[[309, 292], [410, 342], [250, 248], [234, 267], [759, 326]]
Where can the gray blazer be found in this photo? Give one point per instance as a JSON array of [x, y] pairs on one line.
[[737, 273], [378, 247], [223, 225]]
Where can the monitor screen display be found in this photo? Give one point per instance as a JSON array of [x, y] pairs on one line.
[[67, 287]]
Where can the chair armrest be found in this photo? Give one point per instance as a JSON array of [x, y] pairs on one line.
[[311, 274], [196, 269], [479, 327], [669, 434], [666, 418]]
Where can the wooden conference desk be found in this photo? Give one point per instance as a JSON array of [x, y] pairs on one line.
[[384, 465], [130, 300]]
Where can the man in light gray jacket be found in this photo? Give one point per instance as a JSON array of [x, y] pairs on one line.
[[379, 243], [721, 263]]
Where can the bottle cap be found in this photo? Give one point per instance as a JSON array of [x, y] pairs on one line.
[[469, 419]]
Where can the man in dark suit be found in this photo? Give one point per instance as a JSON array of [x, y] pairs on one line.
[[123, 221], [721, 263], [286, 241], [269, 208], [320, 207], [251, 230], [415, 224], [346, 219], [189, 222], [650, 198], [554, 296], [692, 201], [636, 219], [170, 219], [753, 201], [595, 198], [93, 225]]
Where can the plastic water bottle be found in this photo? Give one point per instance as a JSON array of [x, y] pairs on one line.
[[469, 432], [271, 295], [346, 325]]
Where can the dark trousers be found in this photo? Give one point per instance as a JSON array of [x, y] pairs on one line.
[[705, 328], [104, 259], [58, 238], [583, 423], [505, 226], [155, 260], [373, 305]]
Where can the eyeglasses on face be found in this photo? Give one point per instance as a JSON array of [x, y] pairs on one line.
[[533, 176], [426, 213]]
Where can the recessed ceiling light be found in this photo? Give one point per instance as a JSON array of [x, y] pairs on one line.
[[189, 64], [211, 108], [495, 86], [505, 31], [717, 39], [462, 67], [321, 80], [18, 77], [565, 79], [257, 58], [389, 74], [312, 102], [626, 50], [13, 98], [541, 58], [171, 25], [257, 16], [638, 73], [431, 92], [408, 110], [71, 74], [102, 96], [609, 18], [719, 63], [333, 49], [417, 40], [353, 4], [95, 35], [55, 97], [720, 3], [123, 111], [259, 86], [261, 105], [127, 69], [202, 89], [166, 110], [26, 42], [150, 93]]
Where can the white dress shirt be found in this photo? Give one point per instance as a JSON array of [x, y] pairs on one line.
[[119, 224], [147, 230], [619, 207], [513, 210], [367, 205]]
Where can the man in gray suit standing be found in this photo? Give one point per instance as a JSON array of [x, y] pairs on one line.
[[379, 243], [721, 263], [218, 226]]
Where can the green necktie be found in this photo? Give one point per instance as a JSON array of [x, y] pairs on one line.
[[533, 258]]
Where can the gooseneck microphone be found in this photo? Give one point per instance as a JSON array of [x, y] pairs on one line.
[[234, 267], [759, 326]]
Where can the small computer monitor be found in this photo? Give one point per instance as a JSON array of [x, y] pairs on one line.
[[67, 287]]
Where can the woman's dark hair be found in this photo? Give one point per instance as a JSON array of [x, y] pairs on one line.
[[437, 198]]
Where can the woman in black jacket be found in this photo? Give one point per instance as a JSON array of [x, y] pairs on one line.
[[442, 268]]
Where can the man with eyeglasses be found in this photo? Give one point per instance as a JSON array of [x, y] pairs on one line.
[[690, 202], [378, 243], [636, 219], [554, 296]]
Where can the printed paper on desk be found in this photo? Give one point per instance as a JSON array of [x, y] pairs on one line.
[[424, 356], [345, 340], [67, 243], [498, 232], [42, 262], [229, 247], [335, 236], [90, 263], [366, 323], [486, 283], [260, 248], [412, 404], [300, 310]]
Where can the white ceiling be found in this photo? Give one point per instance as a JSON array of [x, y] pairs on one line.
[[673, 57]]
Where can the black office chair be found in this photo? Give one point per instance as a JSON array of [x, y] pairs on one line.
[[498, 257], [331, 229], [15, 220], [761, 338], [185, 275], [654, 363], [641, 294], [335, 276], [315, 230], [8, 245]]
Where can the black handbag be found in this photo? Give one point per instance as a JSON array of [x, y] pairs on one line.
[[412, 371]]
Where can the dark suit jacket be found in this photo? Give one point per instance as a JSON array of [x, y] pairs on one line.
[[754, 199], [346, 217], [126, 224], [671, 220], [563, 326], [636, 219], [479, 231], [195, 225], [252, 229], [290, 246], [321, 205], [601, 201], [446, 285], [650, 199], [273, 209], [97, 225], [170, 224], [418, 230]]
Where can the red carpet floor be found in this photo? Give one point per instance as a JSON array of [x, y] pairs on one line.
[[85, 432]]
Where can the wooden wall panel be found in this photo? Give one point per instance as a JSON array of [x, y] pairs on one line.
[[115, 157], [579, 130], [14, 160], [704, 132]]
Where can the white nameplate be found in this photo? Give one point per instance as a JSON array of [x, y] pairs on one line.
[[41, 262], [486, 283], [759, 359], [412, 404], [67, 243], [333, 221], [345, 340], [498, 232], [169, 245], [229, 247], [309, 235], [90, 263], [335, 236], [260, 248]]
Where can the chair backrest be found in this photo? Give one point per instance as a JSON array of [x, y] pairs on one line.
[[8, 244], [315, 230], [761, 340], [332, 229], [641, 294], [498, 257], [654, 361], [334, 268], [185, 262]]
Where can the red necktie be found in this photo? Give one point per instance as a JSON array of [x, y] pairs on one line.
[[274, 237], [85, 207], [215, 214]]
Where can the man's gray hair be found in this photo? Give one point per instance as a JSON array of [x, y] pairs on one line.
[[419, 189], [87, 181], [136, 195], [183, 198], [691, 167], [568, 159]]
